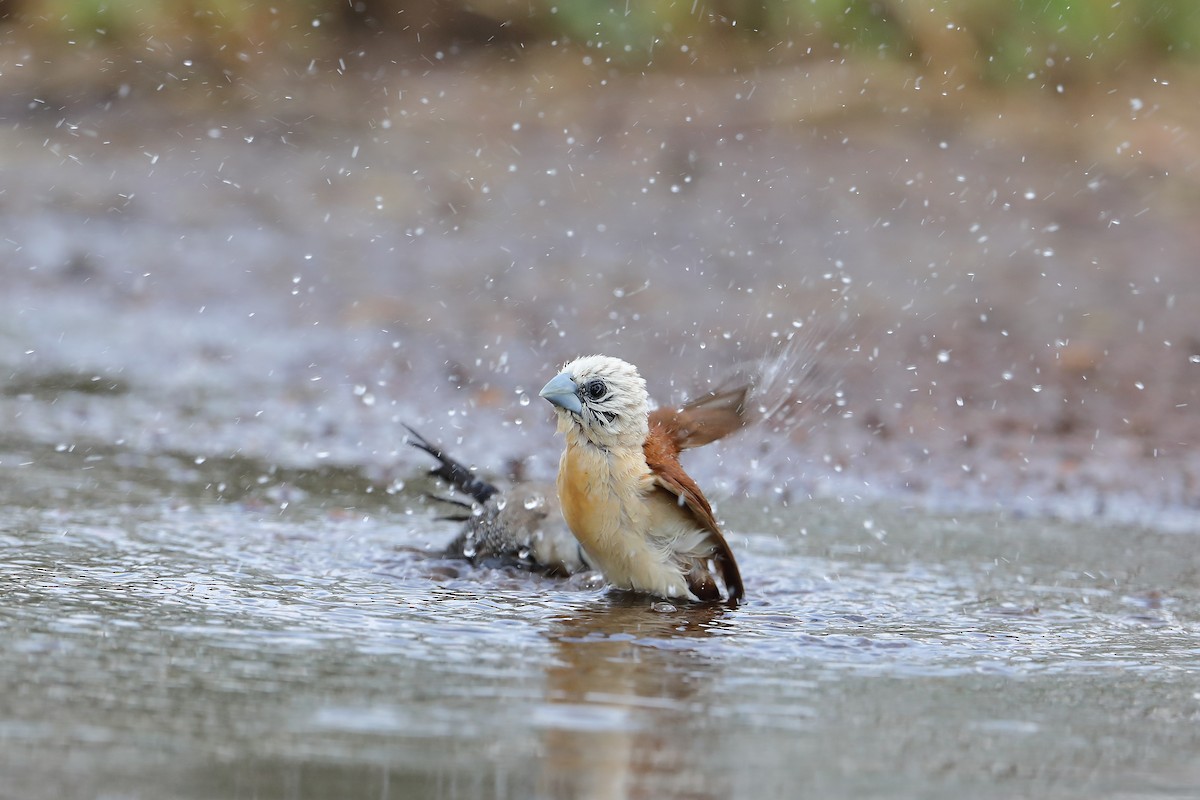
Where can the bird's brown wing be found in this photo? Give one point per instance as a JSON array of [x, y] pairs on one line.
[[662, 456], [707, 418]]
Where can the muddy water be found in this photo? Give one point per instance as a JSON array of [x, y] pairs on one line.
[[160, 642], [221, 579]]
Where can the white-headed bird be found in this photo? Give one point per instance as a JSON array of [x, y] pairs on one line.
[[639, 517]]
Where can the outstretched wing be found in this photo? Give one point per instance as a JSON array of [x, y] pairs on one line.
[[709, 417], [662, 456]]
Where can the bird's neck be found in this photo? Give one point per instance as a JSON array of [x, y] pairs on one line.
[[630, 440]]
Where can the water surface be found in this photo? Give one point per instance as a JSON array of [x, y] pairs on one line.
[[160, 639]]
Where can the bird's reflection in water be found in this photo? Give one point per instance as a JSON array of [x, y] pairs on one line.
[[627, 703]]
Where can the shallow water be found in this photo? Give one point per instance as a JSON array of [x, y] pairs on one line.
[[162, 640], [221, 579]]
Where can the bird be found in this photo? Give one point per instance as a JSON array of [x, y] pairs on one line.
[[519, 524], [638, 516]]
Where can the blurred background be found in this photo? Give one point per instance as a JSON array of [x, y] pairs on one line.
[[227, 226], [984, 39]]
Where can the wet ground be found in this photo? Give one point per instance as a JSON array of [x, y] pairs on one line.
[[969, 551]]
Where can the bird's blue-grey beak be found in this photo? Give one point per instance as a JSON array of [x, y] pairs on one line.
[[561, 391]]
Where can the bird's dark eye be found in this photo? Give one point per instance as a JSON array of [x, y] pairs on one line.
[[595, 389]]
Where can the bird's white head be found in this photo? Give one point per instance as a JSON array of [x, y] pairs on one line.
[[603, 399]]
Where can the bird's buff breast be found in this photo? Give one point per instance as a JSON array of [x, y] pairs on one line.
[[589, 505]]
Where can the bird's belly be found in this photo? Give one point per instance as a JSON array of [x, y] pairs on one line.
[[615, 530]]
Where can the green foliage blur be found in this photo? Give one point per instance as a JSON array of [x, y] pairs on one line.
[[995, 40]]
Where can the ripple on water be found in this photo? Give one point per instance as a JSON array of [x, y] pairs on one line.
[[242, 575], [324, 636]]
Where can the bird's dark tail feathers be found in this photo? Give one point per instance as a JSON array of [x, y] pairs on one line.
[[452, 472]]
